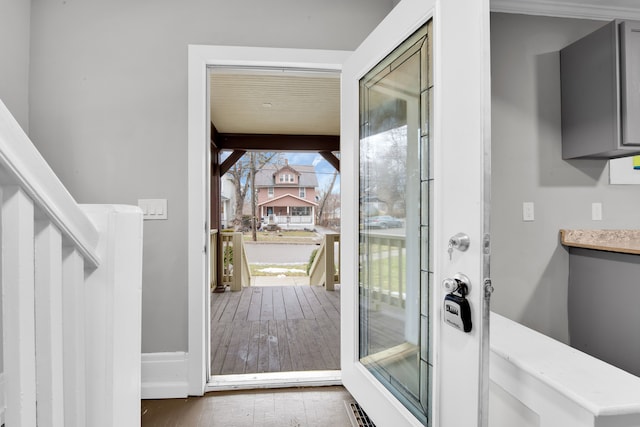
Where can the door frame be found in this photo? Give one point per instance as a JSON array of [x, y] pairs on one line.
[[200, 57]]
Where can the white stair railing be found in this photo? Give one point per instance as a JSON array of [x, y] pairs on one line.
[[71, 294]]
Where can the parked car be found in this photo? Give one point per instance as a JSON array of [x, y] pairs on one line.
[[383, 221]]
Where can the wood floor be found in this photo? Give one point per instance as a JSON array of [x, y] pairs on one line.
[[296, 407], [275, 329]]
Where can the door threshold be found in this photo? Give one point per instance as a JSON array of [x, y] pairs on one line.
[[273, 380]]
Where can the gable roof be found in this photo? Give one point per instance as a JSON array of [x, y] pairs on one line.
[[277, 201], [308, 178], [287, 167]]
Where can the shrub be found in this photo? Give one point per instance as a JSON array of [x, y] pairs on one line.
[[228, 255], [311, 258]]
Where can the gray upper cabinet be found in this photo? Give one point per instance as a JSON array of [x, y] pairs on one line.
[[600, 78]]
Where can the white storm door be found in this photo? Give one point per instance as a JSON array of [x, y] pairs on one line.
[[415, 147]]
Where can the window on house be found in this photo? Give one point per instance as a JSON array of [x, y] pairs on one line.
[[270, 192], [303, 192], [300, 210], [286, 177]]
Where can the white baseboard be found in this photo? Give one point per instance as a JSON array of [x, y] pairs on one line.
[[164, 375], [2, 401]]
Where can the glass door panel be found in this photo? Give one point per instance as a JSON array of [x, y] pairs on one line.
[[395, 186]]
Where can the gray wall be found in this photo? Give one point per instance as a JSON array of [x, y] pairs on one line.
[[14, 58], [14, 70], [109, 107], [529, 265]]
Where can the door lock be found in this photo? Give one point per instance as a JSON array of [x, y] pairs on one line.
[[458, 282], [457, 311], [459, 241]]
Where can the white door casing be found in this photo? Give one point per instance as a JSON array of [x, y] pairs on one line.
[[462, 153], [200, 58]]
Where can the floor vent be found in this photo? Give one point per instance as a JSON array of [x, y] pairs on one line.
[[358, 417]]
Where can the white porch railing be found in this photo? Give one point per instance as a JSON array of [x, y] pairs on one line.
[[235, 267], [292, 219], [537, 381], [71, 294], [386, 284]]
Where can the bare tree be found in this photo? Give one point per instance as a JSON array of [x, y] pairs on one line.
[[324, 195], [243, 177]]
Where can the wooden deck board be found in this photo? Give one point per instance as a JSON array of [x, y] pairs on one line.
[[275, 329], [272, 347], [229, 311], [242, 313], [255, 307], [266, 309], [284, 353], [253, 349], [218, 305], [305, 306], [279, 309], [222, 336]]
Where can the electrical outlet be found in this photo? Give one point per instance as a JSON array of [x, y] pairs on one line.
[[596, 211], [528, 211]]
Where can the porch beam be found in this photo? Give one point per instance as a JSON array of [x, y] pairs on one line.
[[331, 158], [230, 161], [215, 137], [275, 142]]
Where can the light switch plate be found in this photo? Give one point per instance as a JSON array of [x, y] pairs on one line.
[[153, 208], [596, 211], [528, 211]]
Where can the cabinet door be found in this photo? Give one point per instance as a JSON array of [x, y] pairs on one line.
[[630, 81]]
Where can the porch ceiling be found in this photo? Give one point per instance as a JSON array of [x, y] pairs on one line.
[[275, 102]]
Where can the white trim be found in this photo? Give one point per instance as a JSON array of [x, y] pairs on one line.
[[199, 59], [2, 399], [288, 195], [164, 375], [565, 9], [274, 380]]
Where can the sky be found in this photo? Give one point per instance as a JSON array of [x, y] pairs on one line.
[[324, 170]]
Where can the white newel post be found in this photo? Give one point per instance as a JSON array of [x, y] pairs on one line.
[[113, 326]]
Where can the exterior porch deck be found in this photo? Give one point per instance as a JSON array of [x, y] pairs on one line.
[[275, 329]]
